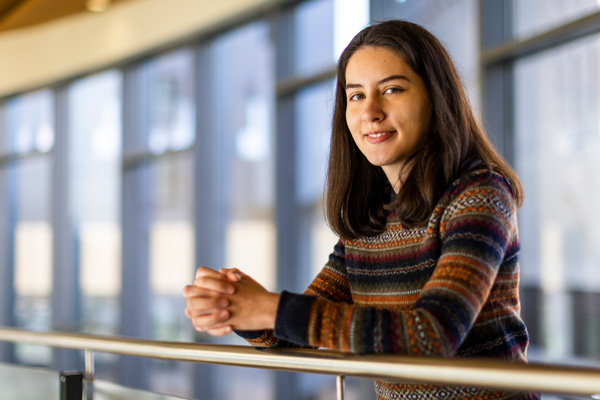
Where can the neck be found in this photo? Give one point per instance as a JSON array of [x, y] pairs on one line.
[[393, 176]]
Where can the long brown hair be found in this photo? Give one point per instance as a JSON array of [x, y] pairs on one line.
[[358, 193]]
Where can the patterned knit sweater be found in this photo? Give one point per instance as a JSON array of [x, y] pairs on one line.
[[449, 289]]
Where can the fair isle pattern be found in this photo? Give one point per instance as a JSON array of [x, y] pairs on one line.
[[431, 392], [447, 289]]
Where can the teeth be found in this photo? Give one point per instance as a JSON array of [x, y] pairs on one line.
[[378, 134]]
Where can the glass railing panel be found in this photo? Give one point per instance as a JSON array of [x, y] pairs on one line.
[[28, 383]]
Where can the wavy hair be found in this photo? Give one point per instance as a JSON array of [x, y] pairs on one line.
[[358, 194]]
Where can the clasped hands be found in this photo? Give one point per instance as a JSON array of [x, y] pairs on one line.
[[220, 301]]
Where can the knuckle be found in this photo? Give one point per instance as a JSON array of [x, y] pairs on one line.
[[201, 281]]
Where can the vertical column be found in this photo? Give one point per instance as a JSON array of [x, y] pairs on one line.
[[498, 80], [287, 384], [65, 271], [7, 228], [207, 226]]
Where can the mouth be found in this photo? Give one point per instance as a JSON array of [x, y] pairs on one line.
[[377, 137], [379, 134]]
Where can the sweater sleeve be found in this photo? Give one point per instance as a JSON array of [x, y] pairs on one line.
[[475, 232], [330, 284]]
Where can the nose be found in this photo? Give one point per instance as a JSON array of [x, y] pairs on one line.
[[373, 110]]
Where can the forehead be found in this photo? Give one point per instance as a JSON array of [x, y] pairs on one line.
[[376, 61]]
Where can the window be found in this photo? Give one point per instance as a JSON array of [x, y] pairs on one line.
[[94, 168], [244, 99], [557, 137], [536, 16], [29, 136], [314, 106], [240, 137], [159, 169], [440, 17]]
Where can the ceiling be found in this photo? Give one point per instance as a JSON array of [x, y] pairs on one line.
[[16, 14]]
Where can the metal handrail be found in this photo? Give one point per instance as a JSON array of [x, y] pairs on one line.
[[485, 373]]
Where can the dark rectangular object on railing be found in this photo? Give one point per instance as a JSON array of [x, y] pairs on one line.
[[71, 385]]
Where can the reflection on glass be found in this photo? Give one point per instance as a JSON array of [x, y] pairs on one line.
[[171, 246], [171, 241], [29, 207], [460, 39], [536, 16], [33, 269], [168, 102], [243, 139], [245, 97], [313, 36], [30, 124], [18, 382], [557, 115], [349, 17], [95, 186], [168, 122], [314, 106]]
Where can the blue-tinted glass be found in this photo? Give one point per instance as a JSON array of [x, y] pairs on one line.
[[536, 16], [557, 129], [166, 103], [313, 110], [30, 204], [241, 139], [29, 124], [94, 136], [171, 256], [460, 39], [29, 129], [349, 17], [313, 36]]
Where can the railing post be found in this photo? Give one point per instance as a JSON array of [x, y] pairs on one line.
[[340, 385], [88, 376]]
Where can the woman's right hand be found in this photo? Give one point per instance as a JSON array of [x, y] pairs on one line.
[[206, 304]]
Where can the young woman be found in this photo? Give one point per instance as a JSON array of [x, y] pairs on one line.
[[427, 262]]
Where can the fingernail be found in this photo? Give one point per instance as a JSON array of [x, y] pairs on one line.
[[223, 303], [230, 289], [223, 315]]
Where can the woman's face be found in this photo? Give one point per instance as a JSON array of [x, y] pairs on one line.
[[388, 109]]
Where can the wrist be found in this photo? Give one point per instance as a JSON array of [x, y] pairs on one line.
[[272, 301]]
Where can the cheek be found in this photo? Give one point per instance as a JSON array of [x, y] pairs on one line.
[[352, 122]]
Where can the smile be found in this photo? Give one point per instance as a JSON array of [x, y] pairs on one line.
[[378, 134], [379, 137]]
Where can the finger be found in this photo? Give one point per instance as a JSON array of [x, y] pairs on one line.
[[204, 305], [196, 291], [221, 331], [193, 291], [220, 284], [205, 271], [233, 274], [205, 322]]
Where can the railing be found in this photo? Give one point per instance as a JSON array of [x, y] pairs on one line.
[[545, 378]]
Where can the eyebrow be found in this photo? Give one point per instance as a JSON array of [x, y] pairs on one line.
[[384, 80]]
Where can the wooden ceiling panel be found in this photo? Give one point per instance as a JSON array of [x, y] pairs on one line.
[[15, 14]]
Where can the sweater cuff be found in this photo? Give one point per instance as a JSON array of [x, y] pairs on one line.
[[249, 335], [293, 315]]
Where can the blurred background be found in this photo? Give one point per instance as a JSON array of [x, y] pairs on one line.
[[140, 139]]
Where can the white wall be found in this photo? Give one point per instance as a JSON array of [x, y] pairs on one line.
[[32, 57]]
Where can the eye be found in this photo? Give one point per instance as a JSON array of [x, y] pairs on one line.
[[356, 96], [393, 90]]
